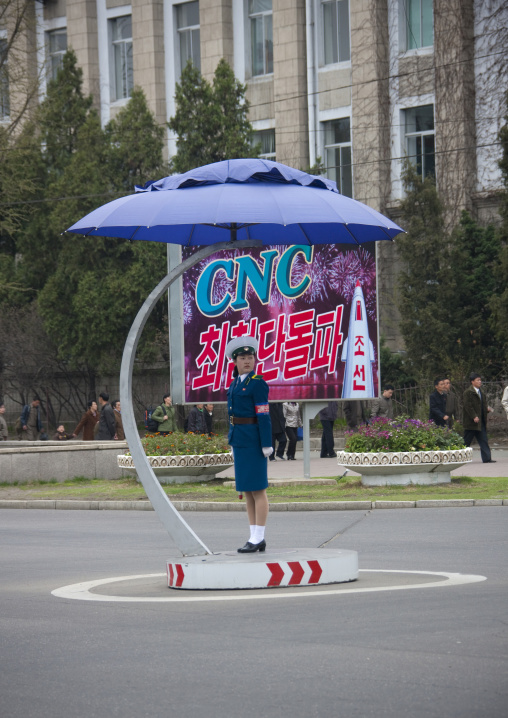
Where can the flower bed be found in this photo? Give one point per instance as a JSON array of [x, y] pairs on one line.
[[179, 444], [404, 451], [402, 435], [179, 458]]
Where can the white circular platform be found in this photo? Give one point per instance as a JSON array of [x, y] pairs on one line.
[[270, 569]]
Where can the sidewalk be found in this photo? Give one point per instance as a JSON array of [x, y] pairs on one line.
[[329, 468]]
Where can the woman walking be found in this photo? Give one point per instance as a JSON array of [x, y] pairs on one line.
[[250, 435]]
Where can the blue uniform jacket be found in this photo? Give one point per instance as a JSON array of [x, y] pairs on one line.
[[249, 398]]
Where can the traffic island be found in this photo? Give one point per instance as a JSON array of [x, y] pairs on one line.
[[270, 569]]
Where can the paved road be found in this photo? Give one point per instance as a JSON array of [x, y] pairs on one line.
[[435, 652]]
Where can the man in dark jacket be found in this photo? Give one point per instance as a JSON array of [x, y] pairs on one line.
[[327, 418], [475, 417], [278, 430], [197, 423], [437, 403], [31, 422], [451, 403], [354, 411], [107, 426]]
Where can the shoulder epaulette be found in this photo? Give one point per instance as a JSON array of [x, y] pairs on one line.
[[257, 376]]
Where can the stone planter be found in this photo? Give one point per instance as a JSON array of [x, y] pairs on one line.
[[183, 469], [405, 467]]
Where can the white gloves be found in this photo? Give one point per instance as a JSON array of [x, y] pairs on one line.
[[267, 450]]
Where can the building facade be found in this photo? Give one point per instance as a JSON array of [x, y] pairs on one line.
[[354, 84]]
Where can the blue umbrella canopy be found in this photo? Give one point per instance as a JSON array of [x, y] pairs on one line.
[[251, 199]]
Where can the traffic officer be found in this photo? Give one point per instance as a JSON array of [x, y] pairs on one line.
[[250, 435]]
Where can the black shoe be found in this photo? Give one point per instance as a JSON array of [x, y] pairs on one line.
[[281, 458], [271, 458], [490, 461], [253, 547]]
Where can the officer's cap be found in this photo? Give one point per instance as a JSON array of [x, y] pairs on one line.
[[241, 345]]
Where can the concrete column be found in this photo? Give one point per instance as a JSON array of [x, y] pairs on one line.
[[148, 53], [82, 37], [21, 62], [370, 102], [216, 34], [290, 83], [371, 138], [454, 111]]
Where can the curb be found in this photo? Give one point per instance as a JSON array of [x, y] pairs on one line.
[[69, 504]]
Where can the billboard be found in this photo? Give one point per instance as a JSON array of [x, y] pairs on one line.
[[313, 310]]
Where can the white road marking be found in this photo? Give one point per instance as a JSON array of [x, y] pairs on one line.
[[82, 591]]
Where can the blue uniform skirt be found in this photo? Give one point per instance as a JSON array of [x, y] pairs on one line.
[[251, 468]]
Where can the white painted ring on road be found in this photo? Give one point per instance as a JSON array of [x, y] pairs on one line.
[[83, 591]]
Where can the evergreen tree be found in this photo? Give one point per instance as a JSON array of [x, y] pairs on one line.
[[56, 126], [473, 255], [446, 287], [424, 318], [135, 145], [210, 121]]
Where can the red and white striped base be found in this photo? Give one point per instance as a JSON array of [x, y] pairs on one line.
[[271, 569]]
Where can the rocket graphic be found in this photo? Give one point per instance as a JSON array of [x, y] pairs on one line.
[[358, 352]]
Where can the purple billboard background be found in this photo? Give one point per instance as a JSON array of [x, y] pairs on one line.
[[301, 338]]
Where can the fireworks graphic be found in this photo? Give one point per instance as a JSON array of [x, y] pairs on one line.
[[318, 271], [347, 268]]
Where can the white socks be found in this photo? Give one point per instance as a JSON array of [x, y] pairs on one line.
[[257, 534]]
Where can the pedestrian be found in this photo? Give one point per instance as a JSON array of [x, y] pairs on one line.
[[475, 412], [451, 402], [250, 434], [355, 413], [504, 400], [278, 430], [197, 423], [31, 422], [117, 410], [164, 415], [382, 405], [327, 418], [88, 422], [61, 434], [4, 432], [208, 414], [437, 403], [107, 426], [293, 420]]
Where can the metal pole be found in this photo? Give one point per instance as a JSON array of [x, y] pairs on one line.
[[184, 537]]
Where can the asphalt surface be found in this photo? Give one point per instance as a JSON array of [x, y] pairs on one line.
[[432, 652]]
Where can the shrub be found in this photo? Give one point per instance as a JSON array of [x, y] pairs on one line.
[[402, 434], [179, 444]]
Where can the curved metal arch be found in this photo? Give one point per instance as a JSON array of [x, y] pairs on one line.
[[184, 537]]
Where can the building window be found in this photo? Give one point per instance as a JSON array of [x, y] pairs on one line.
[[56, 48], [261, 36], [419, 22], [5, 108], [338, 154], [265, 138], [187, 24], [419, 134], [121, 44], [335, 24]]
